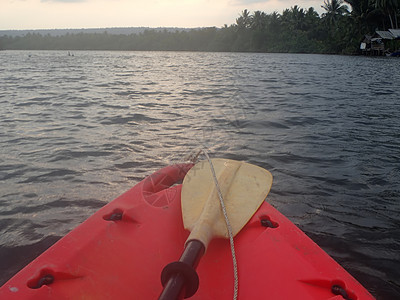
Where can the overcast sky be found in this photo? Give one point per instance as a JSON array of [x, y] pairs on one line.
[[51, 14]]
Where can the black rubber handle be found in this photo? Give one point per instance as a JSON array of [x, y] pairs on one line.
[[180, 279]]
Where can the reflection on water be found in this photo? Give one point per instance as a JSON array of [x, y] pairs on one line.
[[78, 131]]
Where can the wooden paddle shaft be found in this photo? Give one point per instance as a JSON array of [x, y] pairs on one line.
[[210, 222]]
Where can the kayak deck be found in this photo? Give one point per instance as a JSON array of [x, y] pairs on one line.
[[120, 252]]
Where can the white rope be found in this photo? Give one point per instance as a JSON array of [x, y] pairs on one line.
[[228, 226]]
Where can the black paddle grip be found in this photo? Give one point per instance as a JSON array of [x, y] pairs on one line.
[[179, 278]]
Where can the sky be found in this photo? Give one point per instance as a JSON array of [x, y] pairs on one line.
[[61, 14]]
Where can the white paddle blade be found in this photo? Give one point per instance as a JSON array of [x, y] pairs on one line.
[[244, 187]]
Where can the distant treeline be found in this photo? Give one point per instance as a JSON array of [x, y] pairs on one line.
[[295, 30], [110, 30]]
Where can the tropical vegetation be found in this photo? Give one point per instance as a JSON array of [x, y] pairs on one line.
[[338, 30]]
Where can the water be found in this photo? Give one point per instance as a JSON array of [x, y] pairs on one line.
[[77, 131]]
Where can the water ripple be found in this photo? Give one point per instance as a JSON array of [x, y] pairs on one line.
[[78, 131]]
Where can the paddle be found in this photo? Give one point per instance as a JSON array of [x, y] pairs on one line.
[[243, 187]]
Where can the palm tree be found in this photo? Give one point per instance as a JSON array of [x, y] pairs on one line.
[[359, 7], [258, 20], [311, 19], [334, 10], [298, 17], [389, 7], [365, 16], [244, 20]]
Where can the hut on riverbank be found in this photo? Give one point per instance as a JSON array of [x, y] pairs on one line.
[[380, 43]]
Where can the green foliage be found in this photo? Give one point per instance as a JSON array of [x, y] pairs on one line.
[[295, 30]]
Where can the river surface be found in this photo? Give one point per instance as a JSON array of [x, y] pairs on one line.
[[77, 131]]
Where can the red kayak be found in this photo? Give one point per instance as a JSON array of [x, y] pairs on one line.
[[120, 252]]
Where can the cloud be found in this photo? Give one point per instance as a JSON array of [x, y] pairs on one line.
[[29, 14], [270, 6], [64, 1], [249, 2]]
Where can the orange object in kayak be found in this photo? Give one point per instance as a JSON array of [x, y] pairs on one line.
[[120, 252]]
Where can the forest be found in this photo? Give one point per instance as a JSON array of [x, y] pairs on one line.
[[338, 30]]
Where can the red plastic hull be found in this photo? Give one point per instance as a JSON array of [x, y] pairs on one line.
[[123, 259]]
